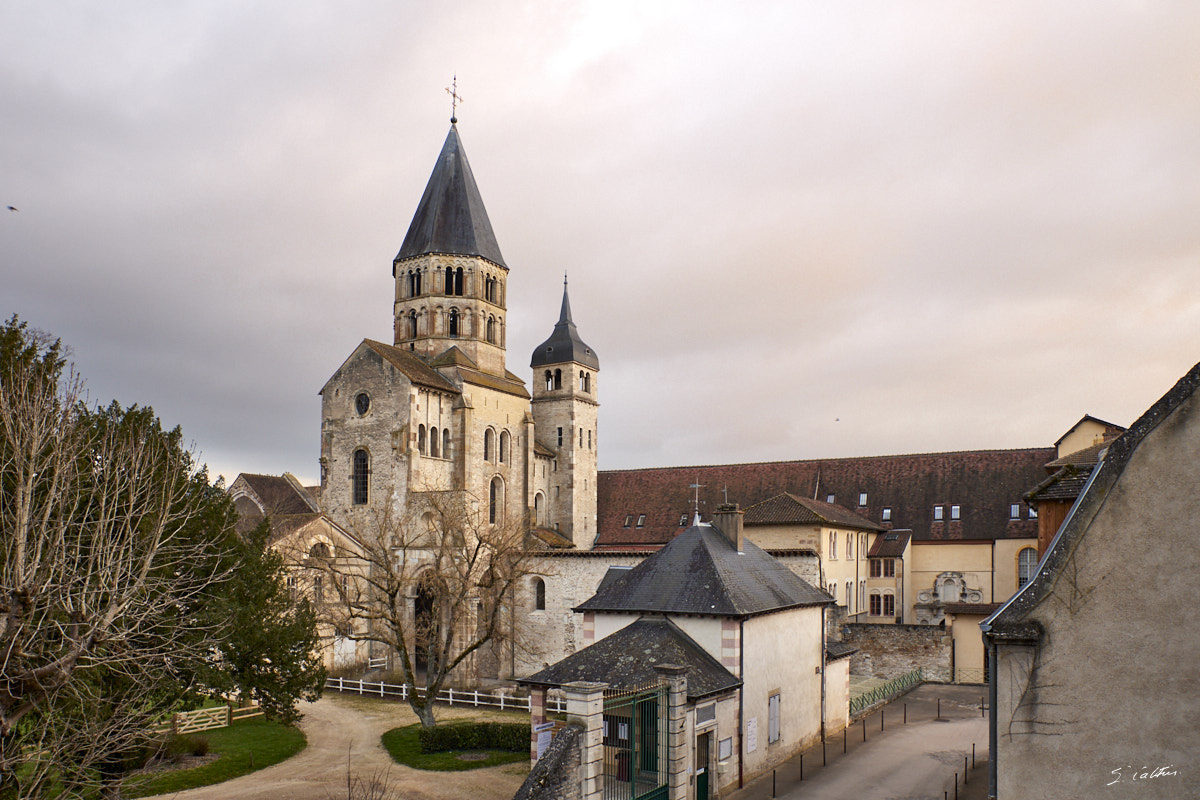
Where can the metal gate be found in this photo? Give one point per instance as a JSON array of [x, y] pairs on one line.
[[635, 744]]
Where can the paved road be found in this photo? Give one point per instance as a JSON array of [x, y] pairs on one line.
[[913, 761], [342, 729]]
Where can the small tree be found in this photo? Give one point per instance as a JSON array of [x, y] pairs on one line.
[[433, 584]]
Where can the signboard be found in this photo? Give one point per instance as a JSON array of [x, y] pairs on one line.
[[545, 732], [751, 734]]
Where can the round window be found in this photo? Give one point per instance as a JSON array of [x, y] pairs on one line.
[[362, 403]]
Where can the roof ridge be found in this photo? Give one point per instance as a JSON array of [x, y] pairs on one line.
[[837, 458]]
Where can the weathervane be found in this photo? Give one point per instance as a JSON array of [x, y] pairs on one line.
[[455, 99]]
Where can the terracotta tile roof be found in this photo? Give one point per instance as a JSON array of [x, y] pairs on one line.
[[783, 509], [1065, 484], [509, 383], [625, 660], [700, 572], [982, 482], [1087, 456], [890, 545]]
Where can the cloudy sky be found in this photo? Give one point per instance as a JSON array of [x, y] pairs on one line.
[[793, 229]]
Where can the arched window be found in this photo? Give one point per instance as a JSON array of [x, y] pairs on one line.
[[434, 442], [833, 545], [587, 381], [452, 322], [421, 439], [849, 595], [539, 594], [1026, 564], [489, 289], [549, 380], [449, 280], [491, 330], [488, 445], [503, 446], [539, 508], [445, 442], [412, 324], [458, 281], [558, 379], [319, 550], [358, 477], [849, 545], [496, 501]]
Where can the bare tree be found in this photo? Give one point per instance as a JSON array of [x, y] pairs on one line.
[[434, 584], [107, 558]]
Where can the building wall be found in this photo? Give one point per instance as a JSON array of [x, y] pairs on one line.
[[1005, 579], [793, 672], [837, 695], [967, 643], [1112, 684], [1086, 434], [889, 651], [573, 485], [967, 564]]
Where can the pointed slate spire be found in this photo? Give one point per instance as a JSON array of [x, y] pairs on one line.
[[451, 217], [564, 343]]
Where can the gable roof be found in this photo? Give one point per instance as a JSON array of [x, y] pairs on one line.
[[890, 545], [411, 365], [983, 482], [1011, 622], [788, 509], [276, 495], [701, 572], [626, 659], [451, 217], [1111, 430]]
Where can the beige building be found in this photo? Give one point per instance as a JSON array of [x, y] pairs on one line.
[[1094, 688]]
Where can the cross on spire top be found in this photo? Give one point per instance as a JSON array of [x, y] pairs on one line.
[[455, 99]]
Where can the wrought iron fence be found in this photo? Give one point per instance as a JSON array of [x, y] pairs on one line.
[[635, 744], [885, 692]]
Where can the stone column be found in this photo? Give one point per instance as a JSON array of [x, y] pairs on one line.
[[537, 715], [677, 734], [585, 706]]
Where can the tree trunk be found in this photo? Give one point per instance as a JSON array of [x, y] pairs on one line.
[[424, 713]]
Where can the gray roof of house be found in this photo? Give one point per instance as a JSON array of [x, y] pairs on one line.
[[451, 217], [564, 344], [701, 572], [626, 660]]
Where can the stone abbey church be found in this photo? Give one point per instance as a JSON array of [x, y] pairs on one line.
[[437, 408]]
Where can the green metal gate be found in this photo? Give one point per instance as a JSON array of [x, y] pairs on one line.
[[635, 744]]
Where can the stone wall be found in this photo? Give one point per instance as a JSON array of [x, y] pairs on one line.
[[556, 774], [889, 651]]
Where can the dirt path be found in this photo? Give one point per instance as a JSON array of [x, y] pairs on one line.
[[338, 726]]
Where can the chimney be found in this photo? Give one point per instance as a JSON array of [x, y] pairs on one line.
[[728, 520]]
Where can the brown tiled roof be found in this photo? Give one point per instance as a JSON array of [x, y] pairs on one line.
[[983, 483], [413, 366], [890, 545], [1065, 484], [1087, 456], [279, 494], [540, 449], [788, 509], [551, 538], [509, 383]]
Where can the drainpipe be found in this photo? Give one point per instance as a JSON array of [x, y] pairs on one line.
[[741, 701], [992, 737]]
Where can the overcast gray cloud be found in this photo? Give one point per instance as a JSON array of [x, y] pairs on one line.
[[793, 229]]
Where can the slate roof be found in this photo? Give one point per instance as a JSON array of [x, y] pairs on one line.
[[984, 483], [613, 574], [784, 509], [890, 545], [1087, 456], [970, 608], [564, 344], [700, 572], [451, 217], [835, 650], [626, 660]]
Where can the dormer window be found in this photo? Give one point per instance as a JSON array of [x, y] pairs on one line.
[[628, 520], [829, 498], [682, 520], [862, 499], [886, 514], [641, 520], [1014, 511], [955, 512], [938, 512]]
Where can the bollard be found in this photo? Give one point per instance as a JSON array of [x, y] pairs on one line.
[[822, 751], [939, 716], [802, 766], [965, 775], [906, 713], [864, 728], [972, 755], [772, 783], [844, 739], [982, 713], [956, 786], [881, 720]]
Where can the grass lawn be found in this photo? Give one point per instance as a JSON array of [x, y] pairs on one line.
[[404, 748], [245, 746]]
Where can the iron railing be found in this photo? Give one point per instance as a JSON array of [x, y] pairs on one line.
[[635, 744]]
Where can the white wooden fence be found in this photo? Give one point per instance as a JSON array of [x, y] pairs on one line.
[[459, 697], [205, 719]]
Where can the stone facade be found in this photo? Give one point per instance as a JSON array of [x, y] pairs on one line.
[[889, 651]]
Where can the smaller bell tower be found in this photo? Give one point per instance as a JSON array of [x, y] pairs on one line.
[[564, 417]]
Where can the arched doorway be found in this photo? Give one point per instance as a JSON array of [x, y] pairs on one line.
[[425, 617]]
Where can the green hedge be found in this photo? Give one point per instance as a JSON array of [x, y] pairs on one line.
[[509, 736]]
